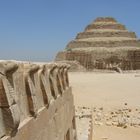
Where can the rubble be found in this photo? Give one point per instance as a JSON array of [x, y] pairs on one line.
[[124, 117], [84, 123]]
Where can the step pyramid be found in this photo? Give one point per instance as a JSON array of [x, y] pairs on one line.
[[104, 42], [104, 32]]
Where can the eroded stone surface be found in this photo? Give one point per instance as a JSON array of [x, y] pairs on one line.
[[104, 44], [84, 123], [36, 102]]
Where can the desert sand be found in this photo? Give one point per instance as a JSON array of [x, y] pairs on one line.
[[115, 101]]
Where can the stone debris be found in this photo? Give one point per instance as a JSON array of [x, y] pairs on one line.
[[125, 117], [84, 123]]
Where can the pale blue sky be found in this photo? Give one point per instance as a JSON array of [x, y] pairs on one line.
[[37, 29]]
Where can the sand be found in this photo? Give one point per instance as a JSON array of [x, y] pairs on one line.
[[109, 91]]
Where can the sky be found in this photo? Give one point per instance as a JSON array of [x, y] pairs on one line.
[[35, 30]]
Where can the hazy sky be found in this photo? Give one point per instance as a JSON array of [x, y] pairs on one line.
[[37, 29]]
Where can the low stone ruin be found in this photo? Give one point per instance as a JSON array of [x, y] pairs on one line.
[[104, 44], [74, 66], [36, 102]]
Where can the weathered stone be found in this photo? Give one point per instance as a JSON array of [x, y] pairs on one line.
[[2, 127], [105, 44], [36, 102], [84, 123], [109, 123]]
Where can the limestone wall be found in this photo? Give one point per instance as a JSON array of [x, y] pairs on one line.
[[134, 57], [103, 58], [115, 26], [84, 58], [36, 102], [74, 65], [105, 19], [102, 43], [60, 56], [105, 34]]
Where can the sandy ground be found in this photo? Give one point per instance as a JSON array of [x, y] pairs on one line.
[[109, 91]]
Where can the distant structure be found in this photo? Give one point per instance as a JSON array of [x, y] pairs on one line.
[[104, 44]]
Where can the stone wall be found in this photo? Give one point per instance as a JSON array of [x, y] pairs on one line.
[[134, 58], [104, 58], [103, 40], [74, 65], [105, 34], [84, 58], [102, 43], [106, 19], [36, 102], [60, 56], [115, 26]]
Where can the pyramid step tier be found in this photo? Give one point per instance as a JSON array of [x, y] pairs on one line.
[[109, 49], [104, 23], [105, 30], [105, 34], [103, 43], [105, 19], [107, 39], [115, 26]]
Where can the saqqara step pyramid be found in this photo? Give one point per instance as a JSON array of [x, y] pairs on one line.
[[104, 44]]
